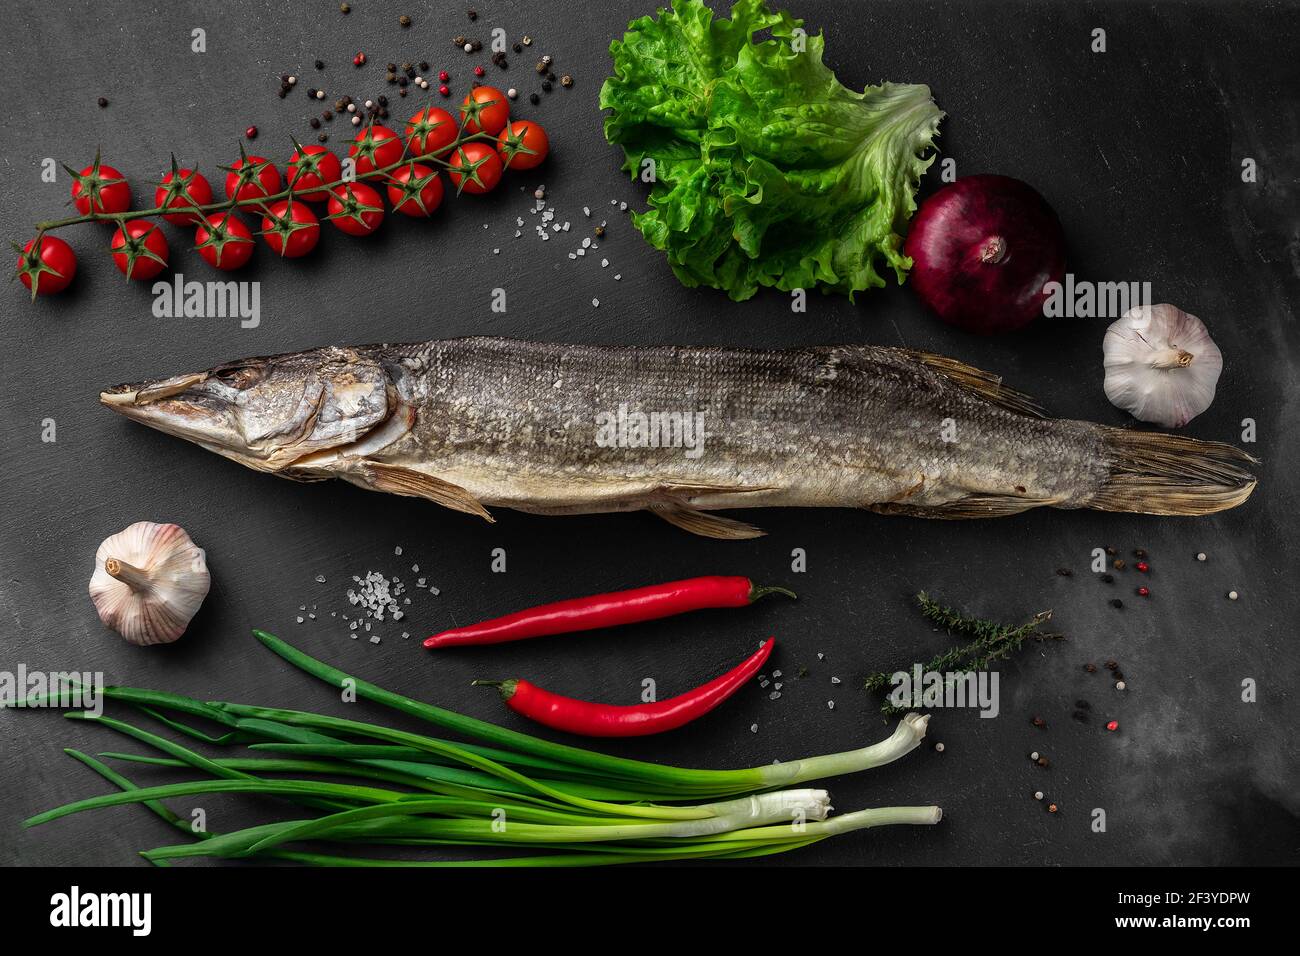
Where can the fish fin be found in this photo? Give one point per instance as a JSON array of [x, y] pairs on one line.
[[686, 489], [1158, 474], [708, 525], [982, 383], [969, 506], [416, 484]]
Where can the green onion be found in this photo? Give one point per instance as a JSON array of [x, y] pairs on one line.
[[572, 807]]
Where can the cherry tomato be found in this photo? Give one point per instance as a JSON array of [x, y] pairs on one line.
[[290, 228], [311, 167], [182, 187], [140, 253], [430, 130], [415, 189], [252, 177], [356, 209], [475, 168], [49, 269], [523, 144], [224, 241], [101, 186], [485, 110], [375, 148]]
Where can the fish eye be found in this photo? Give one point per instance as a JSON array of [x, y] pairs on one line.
[[239, 377]]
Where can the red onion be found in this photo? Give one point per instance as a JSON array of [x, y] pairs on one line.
[[982, 250]]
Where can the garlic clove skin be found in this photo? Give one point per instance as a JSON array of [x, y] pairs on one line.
[[149, 581], [1161, 365]]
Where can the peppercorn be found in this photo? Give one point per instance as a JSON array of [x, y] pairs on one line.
[[250, 133], [1038, 722], [320, 64], [1038, 794], [102, 101], [327, 115], [1090, 668], [1143, 567], [383, 100], [402, 81], [600, 230], [404, 20], [541, 67], [284, 91], [383, 112], [1116, 603], [518, 48], [1112, 726], [323, 137], [478, 71], [315, 123], [340, 105], [1108, 579], [424, 65], [550, 76], [401, 92], [1144, 592], [344, 9], [1041, 761], [1110, 551], [566, 80], [528, 41], [1139, 553], [1118, 564], [472, 14], [547, 59], [1064, 572], [359, 60], [443, 76], [477, 45], [546, 86], [459, 41], [534, 98], [1111, 665], [1051, 808], [444, 90]]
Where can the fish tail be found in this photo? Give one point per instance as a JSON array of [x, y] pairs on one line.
[[1159, 474]]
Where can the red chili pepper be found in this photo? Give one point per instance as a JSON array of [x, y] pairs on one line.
[[608, 720], [609, 610]]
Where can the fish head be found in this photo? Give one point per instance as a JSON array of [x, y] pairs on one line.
[[276, 413]]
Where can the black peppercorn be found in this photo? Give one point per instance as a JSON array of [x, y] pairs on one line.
[[327, 115], [323, 137], [1116, 603], [1090, 668], [518, 48], [1139, 553], [315, 123], [546, 86], [383, 101], [476, 45], [284, 91], [401, 92], [320, 64], [424, 66], [1108, 578], [1038, 722], [534, 98], [103, 102], [473, 14], [1110, 551], [402, 81]]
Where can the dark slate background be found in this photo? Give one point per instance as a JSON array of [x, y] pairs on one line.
[[1139, 149]]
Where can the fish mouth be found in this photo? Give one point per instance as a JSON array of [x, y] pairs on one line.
[[120, 396]]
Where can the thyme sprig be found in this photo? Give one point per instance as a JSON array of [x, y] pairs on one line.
[[990, 642]]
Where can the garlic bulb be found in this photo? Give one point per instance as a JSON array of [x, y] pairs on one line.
[[1161, 365], [149, 581]]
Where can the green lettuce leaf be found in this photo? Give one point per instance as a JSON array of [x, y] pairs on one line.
[[767, 170]]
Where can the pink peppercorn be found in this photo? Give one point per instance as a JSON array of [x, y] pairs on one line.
[[478, 71], [444, 76], [444, 90], [1113, 725]]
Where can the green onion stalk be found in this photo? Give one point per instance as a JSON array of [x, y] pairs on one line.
[[504, 789]]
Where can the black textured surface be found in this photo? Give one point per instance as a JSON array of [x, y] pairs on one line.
[[1139, 149]]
